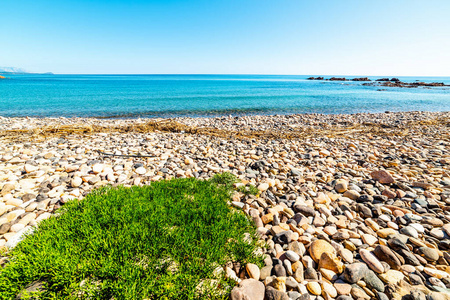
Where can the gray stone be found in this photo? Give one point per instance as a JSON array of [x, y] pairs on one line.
[[415, 279], [409, 231], [343, 297], [429, 254], [34, 287], [292, 256], [382, 296], [397, 244], [310, 273], [373, 281], [291, 283], [293, 295], [279, 270], [273, 294], [305, 210], [265, 272], [355, 272]]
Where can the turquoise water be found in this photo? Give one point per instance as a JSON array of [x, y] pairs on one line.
[[206, 95]]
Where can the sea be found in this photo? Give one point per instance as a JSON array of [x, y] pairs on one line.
[[151, 96]]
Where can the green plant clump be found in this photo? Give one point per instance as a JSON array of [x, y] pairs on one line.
[[248, 190], [161, 241]]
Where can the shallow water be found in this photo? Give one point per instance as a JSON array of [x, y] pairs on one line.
[[206, 95]]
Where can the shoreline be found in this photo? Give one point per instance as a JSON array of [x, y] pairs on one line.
[[226, 114], [294, 126], [312, 169]]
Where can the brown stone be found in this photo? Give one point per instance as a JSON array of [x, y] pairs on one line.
[[382, 177], [331, 262], [383, 253], [318, 247]]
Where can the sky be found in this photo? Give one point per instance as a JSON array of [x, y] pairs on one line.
[[303, 37]]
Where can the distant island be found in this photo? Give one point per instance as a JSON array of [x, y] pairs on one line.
[[18, 71], [393, 82]]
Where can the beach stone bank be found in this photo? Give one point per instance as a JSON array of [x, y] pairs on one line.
[[354, 215]]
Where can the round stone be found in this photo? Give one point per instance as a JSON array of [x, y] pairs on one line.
[[341, 186], [329, 289], [76, 182], [429, 254], [292, 256], [97, 168], [253, 271], [318, 247], [314, 288], [263, 187], [140, 170], [409, 231]]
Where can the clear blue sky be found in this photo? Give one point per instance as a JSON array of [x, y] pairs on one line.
[[323, 37]]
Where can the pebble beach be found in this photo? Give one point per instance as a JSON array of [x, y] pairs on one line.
[[350, 206]]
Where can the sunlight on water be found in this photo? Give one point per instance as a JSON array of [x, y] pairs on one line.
[[206, 95]]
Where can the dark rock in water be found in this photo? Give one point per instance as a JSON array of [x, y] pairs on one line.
[[361, 79], [337, 79], [395, 79], [382, 79], [315, 78]]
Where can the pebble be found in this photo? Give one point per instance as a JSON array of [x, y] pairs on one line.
[[253, 271], [292, 256], [141, 170], [319, 247], [314, 288], [332, 208], [371, 261], [429, 254]]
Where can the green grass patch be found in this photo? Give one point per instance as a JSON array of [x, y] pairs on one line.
[[153, 242], [248, 190]]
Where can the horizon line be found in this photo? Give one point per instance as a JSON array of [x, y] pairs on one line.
[[219, 74]]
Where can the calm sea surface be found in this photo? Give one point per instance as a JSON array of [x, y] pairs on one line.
[[206, 95]]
